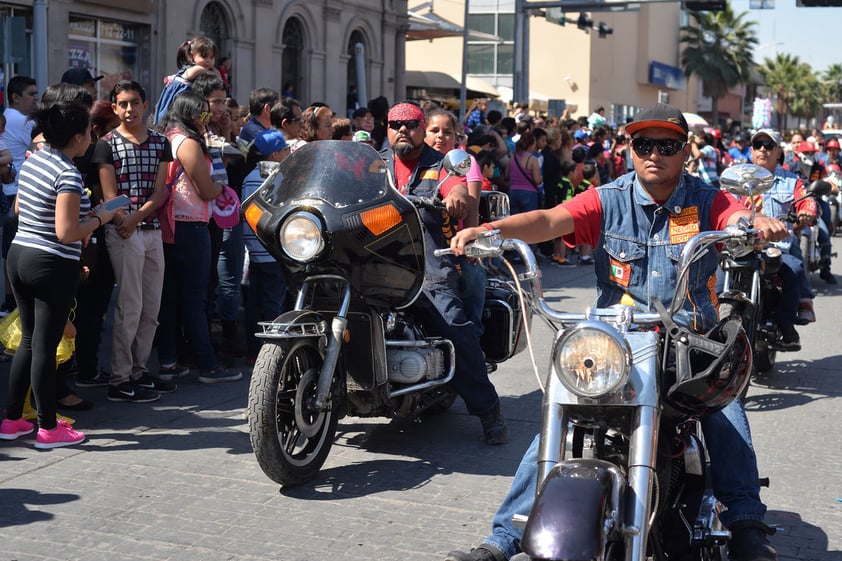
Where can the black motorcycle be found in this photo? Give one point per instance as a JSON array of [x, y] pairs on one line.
[[752, 287], [352, 247]]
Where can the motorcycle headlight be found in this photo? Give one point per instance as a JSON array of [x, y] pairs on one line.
[[301, 236], [592, 360]]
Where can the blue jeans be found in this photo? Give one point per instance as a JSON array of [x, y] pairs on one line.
[[472, 292], [733, 472], [185, 295], [522, 201], [229, 269], [265, 299]]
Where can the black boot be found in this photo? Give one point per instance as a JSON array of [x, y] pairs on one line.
[[749, 542], [480, 553], [494, 427], [827, 276]]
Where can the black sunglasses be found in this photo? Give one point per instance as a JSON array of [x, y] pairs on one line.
[[643, 146], [767, 144], [410, 125]]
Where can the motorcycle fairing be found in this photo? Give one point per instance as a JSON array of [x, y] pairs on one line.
[[576, 511]]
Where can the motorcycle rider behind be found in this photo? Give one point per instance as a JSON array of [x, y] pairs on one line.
[[417, 170], [796, 291], [665, 204]]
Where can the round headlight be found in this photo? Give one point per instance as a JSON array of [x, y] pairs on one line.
[[592, 360], [301, 236]]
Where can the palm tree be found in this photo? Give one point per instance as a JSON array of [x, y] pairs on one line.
[[833, 79], [718, 49], [807, 92], [779, 75]]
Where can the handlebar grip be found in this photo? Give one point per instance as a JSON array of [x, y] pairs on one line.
[[441, 252]]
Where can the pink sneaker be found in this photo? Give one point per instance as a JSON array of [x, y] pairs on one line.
[[62, 435], [10, 430]]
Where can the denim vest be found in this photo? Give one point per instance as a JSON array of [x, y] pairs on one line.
[[642, 241], [778, 200], [438, 228]]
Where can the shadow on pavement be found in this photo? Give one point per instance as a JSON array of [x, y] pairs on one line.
[[809, 381], [16, 513], [798, 540]]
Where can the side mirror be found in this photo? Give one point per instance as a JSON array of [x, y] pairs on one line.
[[819, 188], [746, 180], [457, 162]]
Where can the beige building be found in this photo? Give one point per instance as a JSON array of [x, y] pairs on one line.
[[312, 45], [635, 65]]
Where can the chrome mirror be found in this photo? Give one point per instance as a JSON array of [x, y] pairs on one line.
[[745, 180]]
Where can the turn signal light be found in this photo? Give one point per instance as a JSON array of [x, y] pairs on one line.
[[252, 215], [380, 219]]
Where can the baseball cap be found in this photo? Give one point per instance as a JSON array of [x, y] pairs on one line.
[[806, 146], [270, 141], [774, 135], [79, 76], [580, 134], [832, 143], [362, 136], [659, 115]]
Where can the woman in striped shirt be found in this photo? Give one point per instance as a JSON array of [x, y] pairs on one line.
[[43, 266]]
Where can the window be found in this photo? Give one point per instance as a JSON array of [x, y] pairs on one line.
[[491, 58], [110, 48], [291, 60], [214, 25]]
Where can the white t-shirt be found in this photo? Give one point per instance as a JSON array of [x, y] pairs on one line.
[[18, 137]]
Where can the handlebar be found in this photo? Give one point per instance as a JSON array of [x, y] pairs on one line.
[[738, 238], [426, 203]]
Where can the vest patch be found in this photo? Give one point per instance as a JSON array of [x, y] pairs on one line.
[[430, 174], [685, 225], [619, 272]]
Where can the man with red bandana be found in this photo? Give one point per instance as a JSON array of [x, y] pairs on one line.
[[417, 170]]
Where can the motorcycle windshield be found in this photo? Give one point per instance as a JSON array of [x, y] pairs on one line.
[[324, 170]]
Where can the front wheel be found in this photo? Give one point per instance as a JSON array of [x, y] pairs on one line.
[[290, 438]]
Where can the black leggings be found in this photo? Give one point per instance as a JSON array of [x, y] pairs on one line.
[[44, 285]]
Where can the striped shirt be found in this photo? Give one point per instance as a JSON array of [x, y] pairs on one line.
[[44, 175], [257, 253]]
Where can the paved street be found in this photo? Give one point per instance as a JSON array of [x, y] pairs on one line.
[[176, 480]]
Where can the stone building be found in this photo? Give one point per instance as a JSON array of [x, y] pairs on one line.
[[321, 47]]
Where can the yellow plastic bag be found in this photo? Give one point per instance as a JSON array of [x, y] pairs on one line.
[[10, 335]]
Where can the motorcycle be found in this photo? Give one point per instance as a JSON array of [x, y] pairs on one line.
[[832, 200], [353, 248], [751, 287], [622, 469]]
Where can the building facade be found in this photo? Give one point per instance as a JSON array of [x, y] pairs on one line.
[[322, 48], [635, 65]]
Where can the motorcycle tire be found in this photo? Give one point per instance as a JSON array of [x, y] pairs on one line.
[[290, 440], [764, 358]]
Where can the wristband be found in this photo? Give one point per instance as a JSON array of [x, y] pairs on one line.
[[488, 226], [98, 219]]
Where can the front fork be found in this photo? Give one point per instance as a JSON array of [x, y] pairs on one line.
[[334, 344], [643, 445]]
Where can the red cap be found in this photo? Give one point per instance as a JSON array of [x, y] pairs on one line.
[[805, 146], [832, 143]]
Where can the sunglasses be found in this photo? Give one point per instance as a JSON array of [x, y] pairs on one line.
[[205, 116], [410, 125], [643, 146], [767, 144]]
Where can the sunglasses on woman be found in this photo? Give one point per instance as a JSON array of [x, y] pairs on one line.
[[643, 146], [205, 116]]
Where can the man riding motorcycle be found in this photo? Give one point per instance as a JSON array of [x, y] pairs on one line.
[[633, 266], [418, 171]]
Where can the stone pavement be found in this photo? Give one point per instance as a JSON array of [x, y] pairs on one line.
[[176, 480]]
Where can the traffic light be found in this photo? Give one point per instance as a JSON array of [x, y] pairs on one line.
[[604, 30], [585, 22], [705, 5]]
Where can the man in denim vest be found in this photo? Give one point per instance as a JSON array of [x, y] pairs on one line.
[[637, 225], [417, 170]]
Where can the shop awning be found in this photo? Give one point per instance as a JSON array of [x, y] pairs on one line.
[[440, 82], [430, 25]]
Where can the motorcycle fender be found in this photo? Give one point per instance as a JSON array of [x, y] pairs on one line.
[[576, 511], [295, 324]]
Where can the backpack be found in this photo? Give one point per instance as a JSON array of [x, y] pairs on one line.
[[174, 85]]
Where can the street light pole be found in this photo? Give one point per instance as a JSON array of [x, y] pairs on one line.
[[463, 89]]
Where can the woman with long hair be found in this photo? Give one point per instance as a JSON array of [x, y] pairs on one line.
[[187, 253]]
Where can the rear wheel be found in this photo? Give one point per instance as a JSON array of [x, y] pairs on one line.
[[290, 437]]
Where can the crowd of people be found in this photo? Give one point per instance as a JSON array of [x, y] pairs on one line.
[[182, 265]]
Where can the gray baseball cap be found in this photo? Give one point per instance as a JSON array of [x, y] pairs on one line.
[[771, 133]]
